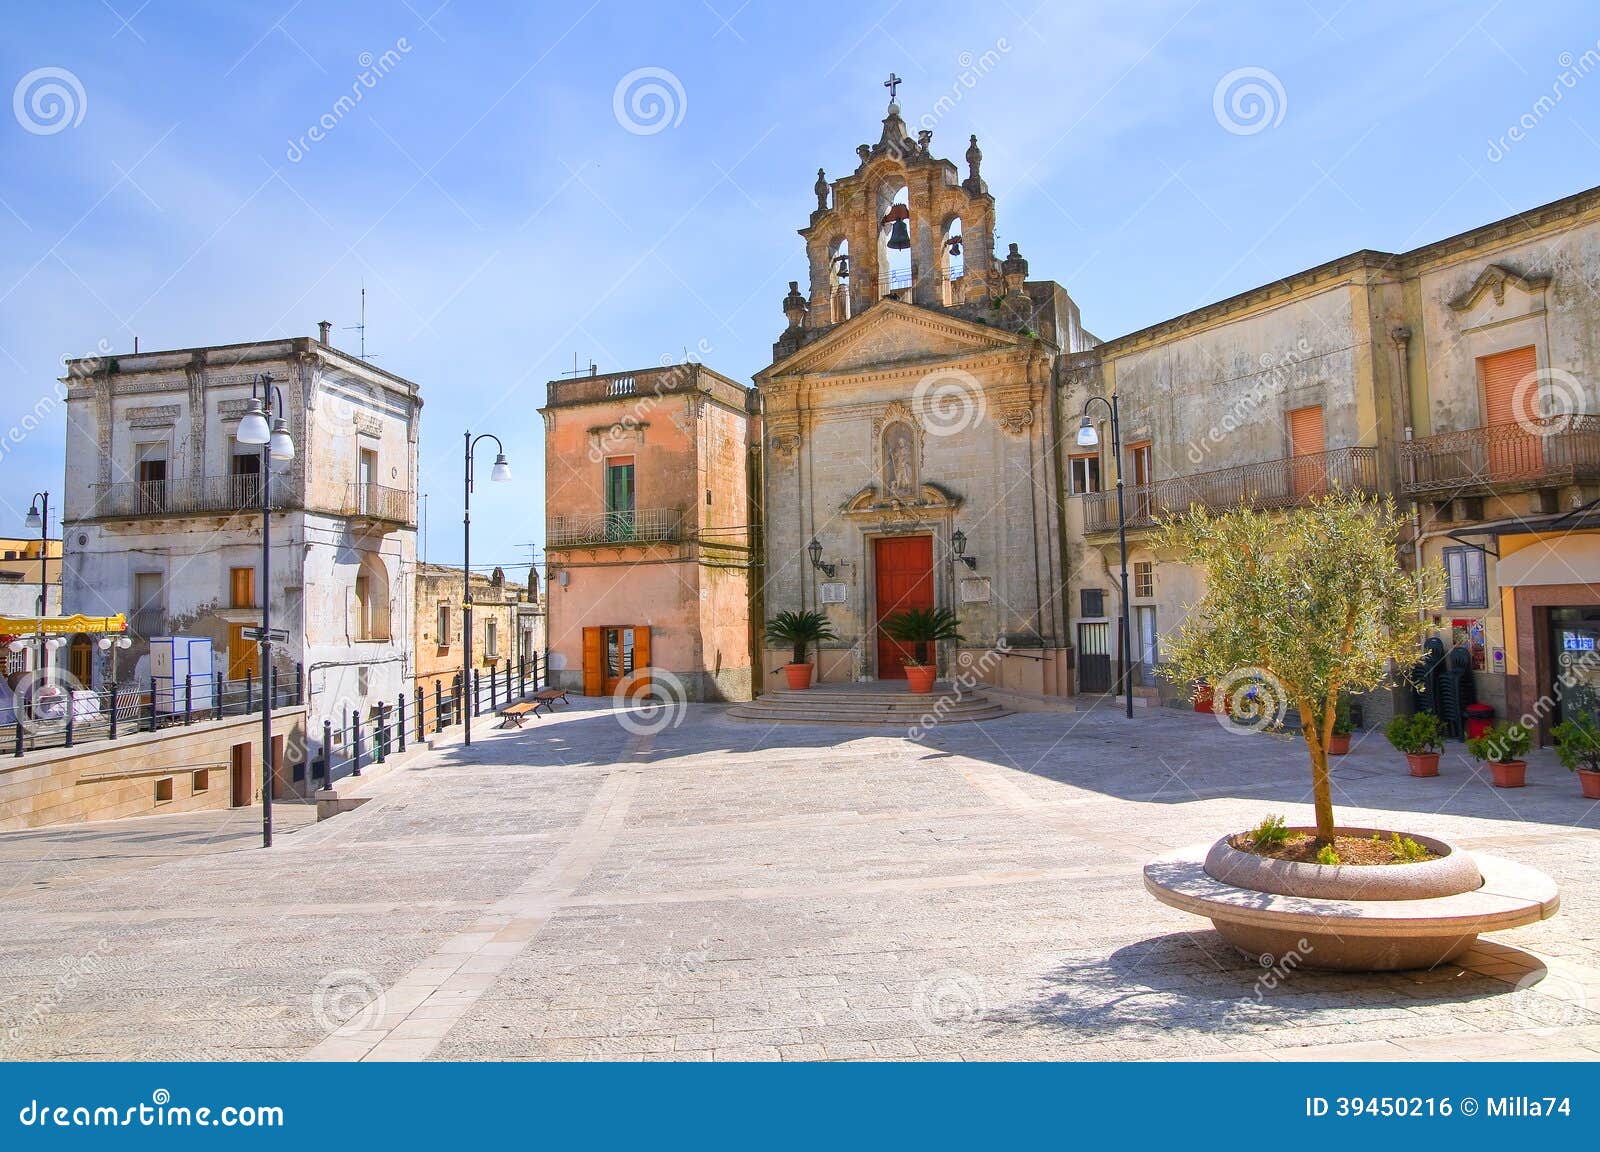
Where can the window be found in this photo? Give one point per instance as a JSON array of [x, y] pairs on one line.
[[1467, 578], [369, 601], [1144, 578], [153, 478], [1084, 473], [1506, 397], [441, 626], [619, 498], [244, 472], [241, 587], [149, 604], [491, 640], [366, 479], [1139, 456], [1092, 602]]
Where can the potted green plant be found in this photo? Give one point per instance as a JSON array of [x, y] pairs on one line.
[[1421, 738], [921, 627], [1339, 741], [1503, 747], [1204, 699], [1578, 747], [799, 630]]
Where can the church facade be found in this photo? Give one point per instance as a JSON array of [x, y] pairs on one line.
[[909, 415]]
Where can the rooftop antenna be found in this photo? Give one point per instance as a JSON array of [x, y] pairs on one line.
[[361, 328], [576, 371]]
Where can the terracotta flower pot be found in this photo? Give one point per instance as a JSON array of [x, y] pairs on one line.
[[1338, 744], [1423, 763], [1590, 783], [798, 675], [1204, 701], [920, 677], [1511, 774]]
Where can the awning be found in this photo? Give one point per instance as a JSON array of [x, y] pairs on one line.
[[61, 625]]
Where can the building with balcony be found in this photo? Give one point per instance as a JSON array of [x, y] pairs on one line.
[[23, 562], [161, 512], [649, 531], [1458, 377], [507, 622]]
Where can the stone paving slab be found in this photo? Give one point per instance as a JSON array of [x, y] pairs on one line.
[[581, 889]]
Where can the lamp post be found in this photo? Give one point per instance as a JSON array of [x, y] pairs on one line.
[[275, 444], [1089, 438], [500, 473], [39, 517]]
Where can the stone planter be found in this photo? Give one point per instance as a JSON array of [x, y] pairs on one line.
[[798, 676], [1352, 917], [1338, 744], [1589, 782], [1511, 774], [1423, 763], [920, 677]]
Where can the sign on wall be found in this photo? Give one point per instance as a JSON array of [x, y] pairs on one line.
[[975, 590], [835, 592]]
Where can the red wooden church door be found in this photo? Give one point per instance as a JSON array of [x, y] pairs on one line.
[[904, 567]]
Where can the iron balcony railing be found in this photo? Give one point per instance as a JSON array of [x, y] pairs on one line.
[[643, 526], [375, 502], [186, 497], [1542, 453], [1273, 484]]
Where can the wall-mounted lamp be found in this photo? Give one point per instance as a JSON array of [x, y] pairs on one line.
[[817, 562], [563, 577], [958, 545]]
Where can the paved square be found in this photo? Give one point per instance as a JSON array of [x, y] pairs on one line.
[[719, 890]]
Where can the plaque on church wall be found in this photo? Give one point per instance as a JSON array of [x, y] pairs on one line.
[[975, 590], [834, 592]]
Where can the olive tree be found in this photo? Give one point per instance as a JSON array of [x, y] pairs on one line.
[[1305, 605]]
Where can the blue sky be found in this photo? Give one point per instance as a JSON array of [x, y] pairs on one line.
[[504, 218]]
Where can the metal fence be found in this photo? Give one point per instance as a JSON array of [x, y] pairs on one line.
[[52, 716], [351, 742]]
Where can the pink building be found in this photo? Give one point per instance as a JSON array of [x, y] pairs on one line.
[[649, 531]]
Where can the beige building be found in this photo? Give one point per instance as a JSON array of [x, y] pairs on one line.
[[507, 622], [161, 518], [649, 531], [1459, 377], [909, 412]]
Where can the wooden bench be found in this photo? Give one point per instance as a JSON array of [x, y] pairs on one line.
[[512, 715], [549, 697]]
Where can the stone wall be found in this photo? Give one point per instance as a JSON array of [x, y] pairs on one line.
[[109, 780]]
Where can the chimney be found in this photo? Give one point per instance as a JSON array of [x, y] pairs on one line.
[[323, 328]]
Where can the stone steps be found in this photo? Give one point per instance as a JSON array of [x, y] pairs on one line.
[[846, 706]]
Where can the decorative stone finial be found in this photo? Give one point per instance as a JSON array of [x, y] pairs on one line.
[[974, 163], [794, 306], [1014, 269], [924, 138], [821, 189]]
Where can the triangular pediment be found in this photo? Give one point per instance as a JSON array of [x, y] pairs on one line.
[[1493, 282], [892, 334]]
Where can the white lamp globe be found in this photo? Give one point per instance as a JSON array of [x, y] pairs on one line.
[[501, 472], [253, 428]]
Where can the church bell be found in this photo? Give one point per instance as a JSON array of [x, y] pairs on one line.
[[899, 235]]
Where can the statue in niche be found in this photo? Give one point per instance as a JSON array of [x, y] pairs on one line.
[[899, 461]]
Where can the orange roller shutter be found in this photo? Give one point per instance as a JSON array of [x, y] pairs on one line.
[[1306, 435], [1501, 374]]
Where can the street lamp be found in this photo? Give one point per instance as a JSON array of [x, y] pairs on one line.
[[114, 645], [38, 517], [1088, 437], [275, 444], [814, 550], [499, 474]]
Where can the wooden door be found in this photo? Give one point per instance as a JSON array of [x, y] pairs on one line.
[[1510, 409], [621, 657], [244, 656], [1307, 443], [239, 776], [1140, 507], [80, 660], [903, 567], [593, 661]]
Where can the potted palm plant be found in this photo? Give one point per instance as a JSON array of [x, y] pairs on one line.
[[1421, 738], [1578, 746], [799, 630], [921, 627], [1503, 747]]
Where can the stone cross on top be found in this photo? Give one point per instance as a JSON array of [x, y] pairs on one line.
[[892, 83]]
